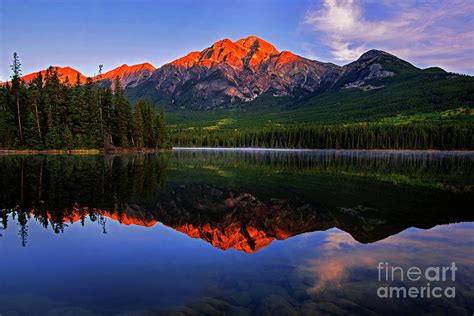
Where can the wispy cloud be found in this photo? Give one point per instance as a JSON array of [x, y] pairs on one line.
[[434, 32], [341, 255]]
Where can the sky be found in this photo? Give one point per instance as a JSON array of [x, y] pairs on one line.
[[83, 34]]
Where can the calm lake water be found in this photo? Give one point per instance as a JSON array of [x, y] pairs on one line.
[[235, 232]]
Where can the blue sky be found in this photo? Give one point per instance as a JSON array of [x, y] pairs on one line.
[[84, 34]]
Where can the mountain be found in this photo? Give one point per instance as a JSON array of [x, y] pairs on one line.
[[229, 219], [375, 86], [64, 73], [264, 86], [228, 73], [251, 72], [372, 66], [129, 76]]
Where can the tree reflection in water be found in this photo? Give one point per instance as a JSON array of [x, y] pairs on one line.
[[240, 200]]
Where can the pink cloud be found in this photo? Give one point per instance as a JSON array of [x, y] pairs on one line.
[[341, 254], [431, 33]]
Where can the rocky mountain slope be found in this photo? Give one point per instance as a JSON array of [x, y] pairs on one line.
[[129, 76], [230, 73], [372, 66], [64, 74], [240, 220]]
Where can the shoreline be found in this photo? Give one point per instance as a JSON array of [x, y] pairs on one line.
[[316, 150], [19, 152]]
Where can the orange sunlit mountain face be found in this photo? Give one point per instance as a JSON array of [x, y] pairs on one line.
[[250, 52], [125, 70], [228, 72], [65, 74], [238, 236], [240, 221], [68, 74], [124, 218]]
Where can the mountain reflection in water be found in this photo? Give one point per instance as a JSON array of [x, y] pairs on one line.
[[242, 201], [113, 231]]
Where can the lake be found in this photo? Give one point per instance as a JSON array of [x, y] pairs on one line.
[[237, 232]]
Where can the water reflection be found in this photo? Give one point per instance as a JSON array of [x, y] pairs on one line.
[[113, 231], [241, 200], [343, 264]]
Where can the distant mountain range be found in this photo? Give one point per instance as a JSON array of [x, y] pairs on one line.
[[129, 75], [231, 73]]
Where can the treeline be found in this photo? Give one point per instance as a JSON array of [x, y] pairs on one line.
[[451, 169], [49, 114], [427, 135], [51, 189]]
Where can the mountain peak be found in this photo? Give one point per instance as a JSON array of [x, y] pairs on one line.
[[64, 73], [147, 66], [386, 60], [286, 56], [373, 53], [223, 42], [141, 67], [125, 70], [245, 52], [252, 41], [128, 75], [187, 61], [67, 68], [230, 72]]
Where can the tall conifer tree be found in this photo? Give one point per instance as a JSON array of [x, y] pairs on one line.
[[16, 86], [122, 115]]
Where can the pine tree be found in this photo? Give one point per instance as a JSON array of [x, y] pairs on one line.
[[36, 100], [52, 100], [32, 139], [107, 114], [149, 124], [78, 114], [122, 115], [99, 100], [8, 130], [162, 136], [68, 139], [51, 114], [53, 139], [93, 133], [137, 127], [16, 86]]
